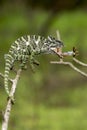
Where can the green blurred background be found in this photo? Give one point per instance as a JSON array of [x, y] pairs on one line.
[[55, 96]]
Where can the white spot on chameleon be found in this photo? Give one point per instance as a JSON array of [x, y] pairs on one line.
[[37, 41], [18, 48], [27, 43]]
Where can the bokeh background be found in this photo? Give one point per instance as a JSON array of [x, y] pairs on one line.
[[55, 96]]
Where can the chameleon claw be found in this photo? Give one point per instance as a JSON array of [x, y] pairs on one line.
[[36, 62], [12, 99], [23, 67]]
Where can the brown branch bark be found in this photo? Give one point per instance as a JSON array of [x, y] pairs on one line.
[[9, 102]]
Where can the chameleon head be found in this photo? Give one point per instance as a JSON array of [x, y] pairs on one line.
[[53, 44]]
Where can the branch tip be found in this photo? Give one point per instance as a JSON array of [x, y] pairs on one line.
[[71, 65]]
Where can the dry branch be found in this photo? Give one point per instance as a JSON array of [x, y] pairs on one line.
[[72, 53], [71, 65], [9, 102], [79, 62], [58, 35]]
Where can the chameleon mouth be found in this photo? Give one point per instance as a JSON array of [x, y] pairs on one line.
[[58, 51], [55, 49]]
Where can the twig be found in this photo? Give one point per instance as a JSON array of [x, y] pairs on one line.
[[69, 53], [58, 35], [9, 103], [71, 65], [1, 75], [79, 62]]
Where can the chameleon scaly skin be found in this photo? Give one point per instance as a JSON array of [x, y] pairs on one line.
[[25, 48]]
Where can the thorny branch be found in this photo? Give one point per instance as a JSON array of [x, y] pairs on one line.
[[9, 102]]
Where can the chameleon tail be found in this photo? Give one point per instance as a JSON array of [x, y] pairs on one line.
[[8, 65]]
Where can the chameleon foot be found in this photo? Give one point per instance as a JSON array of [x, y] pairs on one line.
[[12, 99], [23, 67], [36, 62]]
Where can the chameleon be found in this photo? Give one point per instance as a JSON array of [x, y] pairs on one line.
[[25, 48]]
